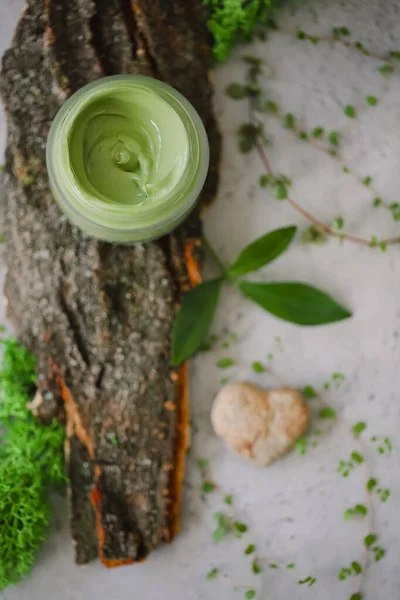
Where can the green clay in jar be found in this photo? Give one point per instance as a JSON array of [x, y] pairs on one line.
[[127, 157]]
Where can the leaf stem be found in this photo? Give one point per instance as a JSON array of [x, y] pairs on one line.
[[214, 256]]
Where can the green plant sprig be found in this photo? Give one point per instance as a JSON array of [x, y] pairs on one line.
[[295, 302], [251, 136]]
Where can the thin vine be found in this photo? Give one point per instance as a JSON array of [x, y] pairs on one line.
[[251, 136]]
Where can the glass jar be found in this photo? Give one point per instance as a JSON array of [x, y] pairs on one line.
[[127, 157]]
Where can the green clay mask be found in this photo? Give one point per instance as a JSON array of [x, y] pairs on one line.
[[127, 157], [129, 149]]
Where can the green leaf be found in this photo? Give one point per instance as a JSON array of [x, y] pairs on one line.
[[290, 566], [250, 549], [301, 445], [193, 319], [239, 527], [357, 457], [250, 594], [255, 567], [262, 251], [236, 91], [370, 539], [225, 363], [223, 526], [327, 412], [295, 302], [280, 191], [350, 111], [309, 392], [258, 367], [212, 574], [317, 132], [228, 499], [385, 69], [356, 596], [289, 121], [334, 138], [372, 100], [208, 486], [203, 463], [359, 428], [357, 568], [371, 483]]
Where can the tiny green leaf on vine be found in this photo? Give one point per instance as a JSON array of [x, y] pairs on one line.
[[385, 69], [212, 574], [303, 135], [360, 46], [290, 566], [256, 567], [318, 132], [309, 392], [236, 91], [357, 510], [334, 137], [339, 31], [224, 380], [394, 54], [272, 107], [262, 251], [250, 549], [367, 180], [208, 486], [327, 412], [223, 527], [295, 302], [356, 596], [273, 566], [377, 201], [359, 428], [289, 121], [308, 580], [258, 367], [372, 100], [338, 224], [264, 180], [193, 319], [301, 446], [250, 594], [357, 457], [313, 235], [280, 191], [350, 111], [371, 484], [225, 362], [239, 528], [228, 499], [370, 539]]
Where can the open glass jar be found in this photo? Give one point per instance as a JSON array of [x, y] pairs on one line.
[[127, 157]]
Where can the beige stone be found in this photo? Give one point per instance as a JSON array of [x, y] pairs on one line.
[[257, 424]]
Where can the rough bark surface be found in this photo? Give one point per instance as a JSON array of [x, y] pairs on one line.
[[99, 316]]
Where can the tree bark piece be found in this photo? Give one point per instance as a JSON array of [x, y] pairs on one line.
[[99, 316]]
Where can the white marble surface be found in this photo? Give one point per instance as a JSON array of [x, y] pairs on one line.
[[293, 508]]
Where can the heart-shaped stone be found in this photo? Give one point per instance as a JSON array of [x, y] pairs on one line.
[[257, 424]]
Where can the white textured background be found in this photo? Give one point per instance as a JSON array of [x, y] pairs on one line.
[[293, 508]]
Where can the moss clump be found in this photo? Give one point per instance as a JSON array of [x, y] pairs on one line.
[[31, 461], [235, 20]]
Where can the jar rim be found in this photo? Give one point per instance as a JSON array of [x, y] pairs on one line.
[[84, 208]]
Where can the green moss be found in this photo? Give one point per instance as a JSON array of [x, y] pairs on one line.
[[30, 462], [235, 20]]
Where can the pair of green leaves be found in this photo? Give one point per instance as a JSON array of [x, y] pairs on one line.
[[297, 303]]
